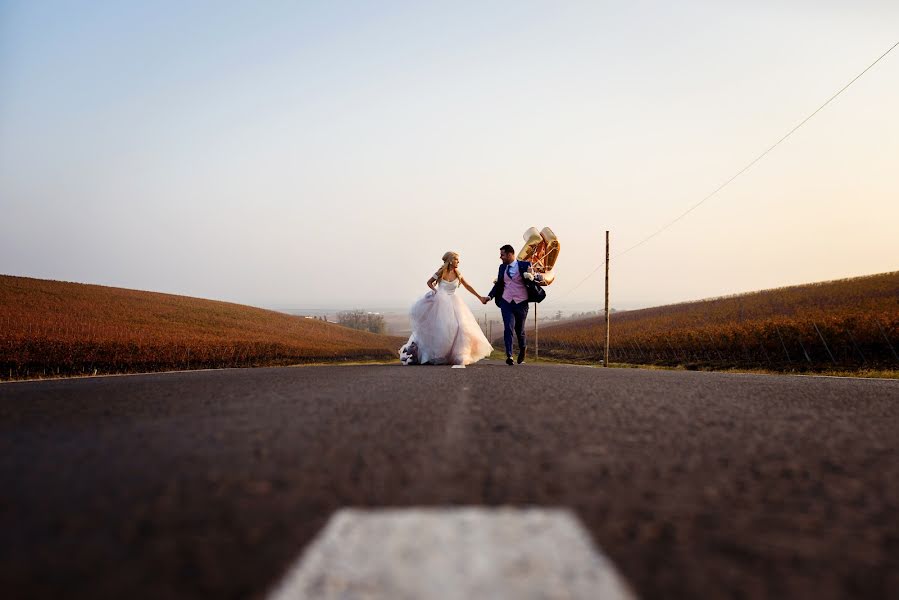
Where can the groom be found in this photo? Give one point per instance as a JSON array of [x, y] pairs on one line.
[[511, 296]]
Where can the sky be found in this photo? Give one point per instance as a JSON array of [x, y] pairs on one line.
[[326, 154]]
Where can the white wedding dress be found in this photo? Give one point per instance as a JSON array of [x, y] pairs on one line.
[[444, 332]]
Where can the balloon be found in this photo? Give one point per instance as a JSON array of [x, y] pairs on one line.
[[541, 248]]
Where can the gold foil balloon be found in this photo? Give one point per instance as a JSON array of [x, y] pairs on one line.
[[532, 239], [541, 248]]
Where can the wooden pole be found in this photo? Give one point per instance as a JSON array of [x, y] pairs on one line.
[[605, 361]]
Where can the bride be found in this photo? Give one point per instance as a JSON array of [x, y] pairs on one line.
[[443, 329]]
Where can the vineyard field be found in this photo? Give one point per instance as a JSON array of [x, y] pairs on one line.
[[845, 324], [59, 328]]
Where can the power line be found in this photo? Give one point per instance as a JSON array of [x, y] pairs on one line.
[[740, 172]]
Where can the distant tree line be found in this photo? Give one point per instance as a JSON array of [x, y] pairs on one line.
[[362, 320], [590, 313]]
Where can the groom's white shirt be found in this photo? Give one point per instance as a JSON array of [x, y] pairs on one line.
[[512, 269]]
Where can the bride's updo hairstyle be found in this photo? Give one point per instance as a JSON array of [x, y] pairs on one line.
[[447, 259]]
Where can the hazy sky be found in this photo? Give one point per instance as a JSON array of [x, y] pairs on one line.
[[293, 154]]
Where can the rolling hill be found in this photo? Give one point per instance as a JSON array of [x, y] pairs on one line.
[[844, 324], [53, 327]]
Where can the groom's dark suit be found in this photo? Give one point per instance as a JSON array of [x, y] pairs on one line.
[[514, 313]]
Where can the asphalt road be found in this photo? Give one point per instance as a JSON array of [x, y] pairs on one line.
[[211, 483]]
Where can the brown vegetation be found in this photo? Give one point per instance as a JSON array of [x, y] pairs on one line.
[[52, 327], [849, 323]]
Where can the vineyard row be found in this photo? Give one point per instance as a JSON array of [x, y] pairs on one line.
[[36, 357], [795, 345]]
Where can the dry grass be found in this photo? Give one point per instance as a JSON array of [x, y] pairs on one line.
[[59, 328], [839, 326]]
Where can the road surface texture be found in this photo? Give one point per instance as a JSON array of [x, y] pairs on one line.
[[695, 485]]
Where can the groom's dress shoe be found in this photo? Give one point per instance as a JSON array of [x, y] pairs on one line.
[[521, 354], [509, 360]]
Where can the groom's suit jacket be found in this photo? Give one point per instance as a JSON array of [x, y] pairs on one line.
[[497, 292]]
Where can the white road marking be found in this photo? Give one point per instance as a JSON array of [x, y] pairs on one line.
[[107, 375], [452, 553]]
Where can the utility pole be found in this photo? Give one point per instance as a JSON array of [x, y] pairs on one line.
[[605, 361]]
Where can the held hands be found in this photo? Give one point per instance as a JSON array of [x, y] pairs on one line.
[[485, 299]]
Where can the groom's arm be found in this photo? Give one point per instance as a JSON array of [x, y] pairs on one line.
[[493, 290]]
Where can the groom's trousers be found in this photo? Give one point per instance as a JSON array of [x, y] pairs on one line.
[[514, 316]]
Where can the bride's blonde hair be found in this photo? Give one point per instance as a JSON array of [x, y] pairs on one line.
[[447, 265]]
